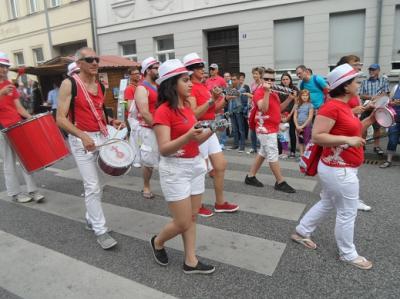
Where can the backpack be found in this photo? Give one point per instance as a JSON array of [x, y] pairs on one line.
[[74, 92]]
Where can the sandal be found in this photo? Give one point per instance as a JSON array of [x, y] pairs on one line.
[[378, 150], [385, 164], [306, 242], [147, 195], [359, 262]]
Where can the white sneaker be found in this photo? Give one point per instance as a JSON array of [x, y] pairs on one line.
[[37, 197], [362, 206], [22, 198]]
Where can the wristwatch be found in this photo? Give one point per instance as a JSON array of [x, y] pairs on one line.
[[210, 102]]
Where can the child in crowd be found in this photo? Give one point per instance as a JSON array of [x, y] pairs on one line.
[[283, 135], [303, 115]]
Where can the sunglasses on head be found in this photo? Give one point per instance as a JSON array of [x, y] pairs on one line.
[[269, 79], [90, 59]]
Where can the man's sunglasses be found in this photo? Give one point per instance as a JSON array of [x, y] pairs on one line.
[[269, 79], [90, 59]]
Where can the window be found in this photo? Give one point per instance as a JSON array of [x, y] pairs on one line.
[[128, 50], [54, 3], [165, 48], [346, 35], [19, 58], [396, 42], [33, 6], [13, 9], [38, 55], [288, 43]]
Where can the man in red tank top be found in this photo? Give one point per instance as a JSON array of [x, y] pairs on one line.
[[146, 100], [204, 106], [84, 134], [11, 112]]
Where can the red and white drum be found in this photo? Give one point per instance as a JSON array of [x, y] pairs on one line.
[[385, 116], [115, 157], [37, 141]]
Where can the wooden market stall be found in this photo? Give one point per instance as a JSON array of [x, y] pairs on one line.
[[112, 69]]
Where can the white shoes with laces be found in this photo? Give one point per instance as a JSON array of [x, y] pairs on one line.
[[362, 206], [24, 198]]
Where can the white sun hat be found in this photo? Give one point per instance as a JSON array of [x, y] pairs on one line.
[[148, 62], [4, 59], [192, 58], [169, 69], [341, 74], [72, 68]]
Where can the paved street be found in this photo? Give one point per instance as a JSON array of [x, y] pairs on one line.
[[47, 253]]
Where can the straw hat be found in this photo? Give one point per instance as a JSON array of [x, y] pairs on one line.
[[4, 59]]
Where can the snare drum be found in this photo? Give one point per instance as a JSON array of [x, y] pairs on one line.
[[385, 116], [116, 157], [382, 102]]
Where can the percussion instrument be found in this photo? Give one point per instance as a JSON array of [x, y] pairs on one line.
[[37, 141], [214, 125], [115, 157], [385, 116], [382, 102]]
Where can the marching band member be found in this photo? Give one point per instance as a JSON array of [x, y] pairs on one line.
[[204, 106], [11, 112], [182, 169], [85, 122], [146, 99], [339, 131]]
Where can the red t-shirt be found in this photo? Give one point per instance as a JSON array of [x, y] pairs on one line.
[[346, 124], [152, 102], [354, 102], [202, 95], [129, 93], [267, 123], [180, 121], [84, 117], [8, 111], [216, 81]]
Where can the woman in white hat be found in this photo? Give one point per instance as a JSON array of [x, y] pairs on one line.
[[182, 169], [340, 132]]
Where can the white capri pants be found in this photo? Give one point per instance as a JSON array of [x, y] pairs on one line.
[[269, 146], [340, 192], [181, 177], [149, 154]]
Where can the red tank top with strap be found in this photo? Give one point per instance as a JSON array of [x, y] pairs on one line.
[[152, 96]]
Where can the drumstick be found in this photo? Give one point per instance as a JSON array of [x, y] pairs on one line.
[[106, 143], [116, 133]]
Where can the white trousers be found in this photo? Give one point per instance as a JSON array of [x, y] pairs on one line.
[[87, 165], [10, 170], [340, 192]]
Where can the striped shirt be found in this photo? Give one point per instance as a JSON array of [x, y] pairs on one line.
[[372, 87]]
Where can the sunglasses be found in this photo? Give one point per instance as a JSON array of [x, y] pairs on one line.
[[90, 59], [269, 79]]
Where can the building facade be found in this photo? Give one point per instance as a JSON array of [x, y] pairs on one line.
[[241, 34], [33, 31]]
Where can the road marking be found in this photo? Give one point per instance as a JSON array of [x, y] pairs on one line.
[[33, 271], [248, 161]]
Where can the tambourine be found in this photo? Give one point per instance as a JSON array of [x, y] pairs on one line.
[[214, 125]]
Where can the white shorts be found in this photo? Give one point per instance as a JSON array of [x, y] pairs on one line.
[[210, 146], [181, 177], [135, 140], [149, 154], [269, 146]]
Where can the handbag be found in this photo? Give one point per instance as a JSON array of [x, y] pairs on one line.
[[309, 160]]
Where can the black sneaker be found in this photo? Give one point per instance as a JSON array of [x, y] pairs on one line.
[[252, 180], [284, 187], [378, 150], [160, 255], [199, 269]]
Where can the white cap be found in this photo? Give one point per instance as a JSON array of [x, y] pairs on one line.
[[192, 58], [147, 63], [169, 69], [4, 59], [341, 74], [72, 68]]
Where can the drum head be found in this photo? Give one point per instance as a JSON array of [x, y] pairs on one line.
[[117, 154], [384, 117], [382, 102]]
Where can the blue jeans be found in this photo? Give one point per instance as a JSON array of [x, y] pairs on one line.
[[238, 130], [394, 138], [254, 140]]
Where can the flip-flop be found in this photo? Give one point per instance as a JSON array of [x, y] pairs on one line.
[[360, 262], [306, 242], [147, 195]]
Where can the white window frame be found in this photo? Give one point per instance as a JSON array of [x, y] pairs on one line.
[[168, 52], [57, 3], [132, 56], [33, 6], [34, 52], [16, 59], [13, 5]]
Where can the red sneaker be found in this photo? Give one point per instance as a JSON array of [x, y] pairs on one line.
[[226, 207], [204, 212]]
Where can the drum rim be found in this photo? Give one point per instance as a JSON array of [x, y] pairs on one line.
[[387, 111], [102, 149], [24, 121]]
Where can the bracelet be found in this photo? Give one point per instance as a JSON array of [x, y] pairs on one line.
[[210, 102]]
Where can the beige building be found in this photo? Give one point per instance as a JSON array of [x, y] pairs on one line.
[[241, 34], [33, 31]]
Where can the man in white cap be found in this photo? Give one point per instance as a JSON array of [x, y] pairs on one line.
[[215, 80], [146, 99], [204, 106], [11, 112]]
